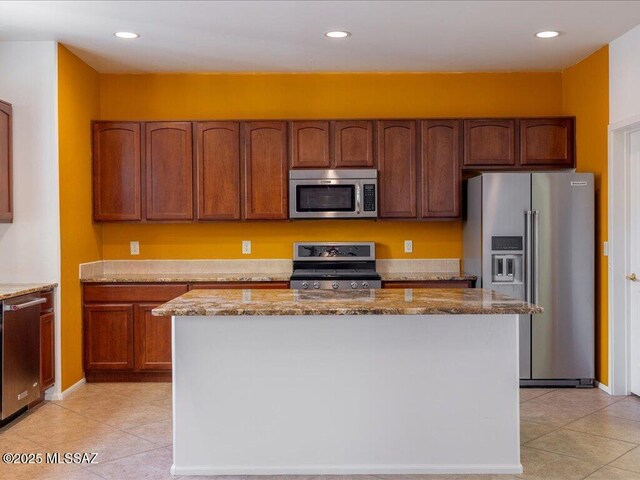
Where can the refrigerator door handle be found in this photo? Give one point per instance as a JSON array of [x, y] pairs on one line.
[[535, 296], [527, 255]]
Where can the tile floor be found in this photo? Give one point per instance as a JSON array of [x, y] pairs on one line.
[[567, 434]]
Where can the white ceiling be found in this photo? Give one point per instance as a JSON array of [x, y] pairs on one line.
[[287, 36]]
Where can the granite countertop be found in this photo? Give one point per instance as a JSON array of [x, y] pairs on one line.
[[187, 277], [452, 301], [10, 290], [252, 277]]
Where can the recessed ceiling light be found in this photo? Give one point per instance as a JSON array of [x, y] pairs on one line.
[[337, 34], [127, 35], [547, 34]]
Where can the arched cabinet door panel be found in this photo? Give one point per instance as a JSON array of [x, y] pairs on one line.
[[117, 179], [309, 144], [440, 168], [218, 170], [265, 170], [353, 143], [490, 143], [547, 141], [169, 171], [397, 168]]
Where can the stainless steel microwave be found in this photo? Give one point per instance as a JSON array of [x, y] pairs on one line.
[[348, 193]]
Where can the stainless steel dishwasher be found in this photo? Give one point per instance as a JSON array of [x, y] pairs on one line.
[[20, 333]]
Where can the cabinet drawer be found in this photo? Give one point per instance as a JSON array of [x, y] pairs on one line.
[[133, 292], [264, 285], [48, 305], [430, 284]]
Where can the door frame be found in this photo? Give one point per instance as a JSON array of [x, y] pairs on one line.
[[619, 255]]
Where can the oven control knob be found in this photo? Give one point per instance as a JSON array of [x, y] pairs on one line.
[[305, 284], [354, 285], [334, 285], [316, 284], [365, 284]]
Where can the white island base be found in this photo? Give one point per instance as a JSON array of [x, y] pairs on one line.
[[345, 394]]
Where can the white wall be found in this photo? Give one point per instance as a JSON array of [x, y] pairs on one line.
[[30, 246], [624, 76]]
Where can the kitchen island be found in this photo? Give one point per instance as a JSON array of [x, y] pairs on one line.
[[351, 382]]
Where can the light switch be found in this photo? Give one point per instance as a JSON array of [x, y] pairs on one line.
[[606, 249], [246, 247], [134, 247], [408, 246]]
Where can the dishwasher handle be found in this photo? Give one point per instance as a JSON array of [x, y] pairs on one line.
[[21, 306]]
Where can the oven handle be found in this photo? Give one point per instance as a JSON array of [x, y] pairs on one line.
[[358, 199]]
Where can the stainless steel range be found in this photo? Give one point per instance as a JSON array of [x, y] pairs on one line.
[[334, 266]]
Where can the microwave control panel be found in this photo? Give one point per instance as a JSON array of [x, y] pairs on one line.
[[369, 197]]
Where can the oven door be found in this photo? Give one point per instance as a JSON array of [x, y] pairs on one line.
[[327, 198]]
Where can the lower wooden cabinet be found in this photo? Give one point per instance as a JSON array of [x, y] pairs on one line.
[[123, 341], [47, 342], [429, 284]]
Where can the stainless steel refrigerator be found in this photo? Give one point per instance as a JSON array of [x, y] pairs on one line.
[[531, 236]]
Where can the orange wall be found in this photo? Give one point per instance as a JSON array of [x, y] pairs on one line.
[[78, 104], [585, 88], [331, 95]]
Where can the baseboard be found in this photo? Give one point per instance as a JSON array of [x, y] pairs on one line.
[[349, 470], [62, 395], [603, 387]]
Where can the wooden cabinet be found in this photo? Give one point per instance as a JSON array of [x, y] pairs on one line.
[[116, 171], [353, 143], [218, 170], [309, 144], [490, 143], [47, 350], [152, 339], [547, 142], [441, 145], [429, 284], [6, 168], [265, 171], [47, 342], [168, 171], [397, 168], [108, 337]]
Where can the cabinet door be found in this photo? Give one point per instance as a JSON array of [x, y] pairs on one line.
[[397, 168], [265, 170], [152, 339], [218, 170], [169, 171], [116, 171], [310, 145], [490, 143], [6, 174], [547, 142], [353, 143], [108, 337], [440, 168], [47, 348]]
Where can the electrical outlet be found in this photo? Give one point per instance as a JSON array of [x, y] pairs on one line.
[[606, 249], [408, 246], [134, 247], [246, 247]]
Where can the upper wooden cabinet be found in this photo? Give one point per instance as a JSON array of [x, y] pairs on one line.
[[547, 141], [353, 143], [397, 168], [169, 171], [309, 144], [440, 168], [489, 143], [6, 148], [116, 171], [265, 170], [218, 170]]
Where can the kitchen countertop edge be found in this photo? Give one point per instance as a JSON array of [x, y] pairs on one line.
[[11, 290]]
